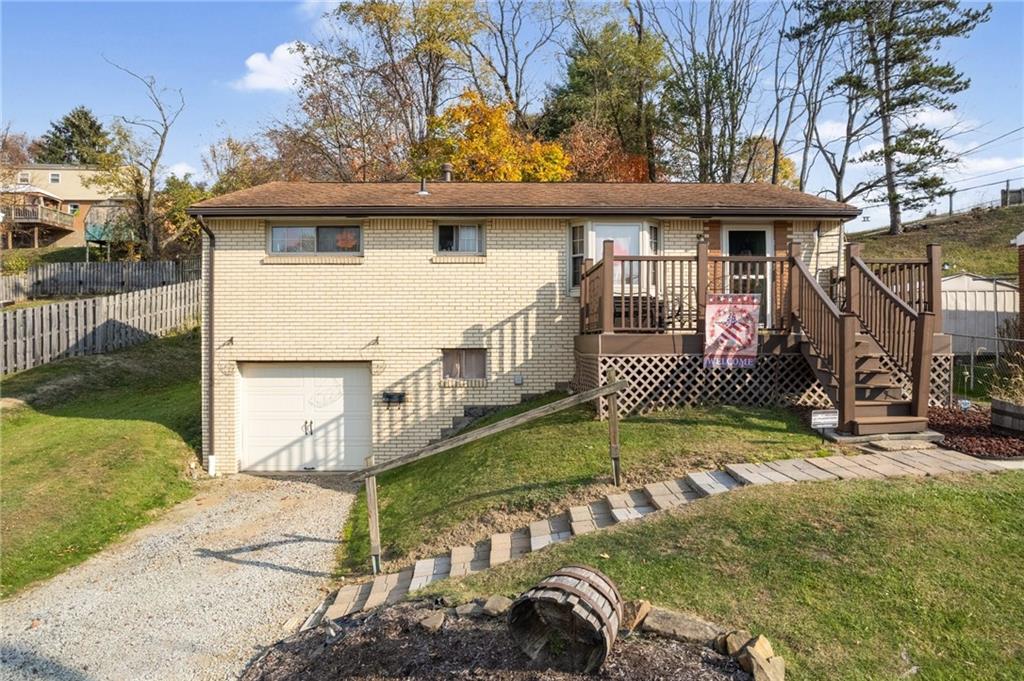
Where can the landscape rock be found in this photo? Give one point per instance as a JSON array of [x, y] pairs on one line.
[[472, 609], [433, 621], [633, 615], [497, 605], [680, 626], [735, 641], [758, 646], [766, 669]]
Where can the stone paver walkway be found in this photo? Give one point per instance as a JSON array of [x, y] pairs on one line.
[[881, 460]]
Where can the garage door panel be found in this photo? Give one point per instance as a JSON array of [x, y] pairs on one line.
[[281, 397]]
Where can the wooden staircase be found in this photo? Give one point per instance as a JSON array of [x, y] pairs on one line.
[[886, 324], [879, 403]]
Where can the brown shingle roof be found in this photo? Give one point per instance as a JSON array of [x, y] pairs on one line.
[[520, 198]]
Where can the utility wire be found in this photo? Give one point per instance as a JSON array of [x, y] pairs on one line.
[[955, 189], [994, 172], [985, 144]]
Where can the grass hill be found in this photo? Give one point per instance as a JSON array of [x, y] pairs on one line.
[[978, 241]]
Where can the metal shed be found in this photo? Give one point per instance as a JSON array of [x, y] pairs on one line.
[[977, 306]]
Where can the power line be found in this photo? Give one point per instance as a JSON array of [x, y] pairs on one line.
[[956, 189], [985, 144], [994, 172]]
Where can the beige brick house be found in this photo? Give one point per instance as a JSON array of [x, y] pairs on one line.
[[344, 320]]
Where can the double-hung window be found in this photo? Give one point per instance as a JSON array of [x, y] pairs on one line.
[[23, 178], [577, 241], [54, 178], [462, 239], [328, 240]]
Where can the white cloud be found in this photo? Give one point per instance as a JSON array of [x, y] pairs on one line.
[[181, 169], [832, 130], [279, 71], [313, 9]]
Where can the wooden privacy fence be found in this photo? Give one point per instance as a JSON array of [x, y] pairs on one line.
[[34, 336], [83, 278]]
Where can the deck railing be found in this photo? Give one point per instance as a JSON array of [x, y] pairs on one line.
[[43, 215], [659, 294], [917, 282]]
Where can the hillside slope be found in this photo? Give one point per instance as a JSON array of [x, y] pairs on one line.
[[977, 242]]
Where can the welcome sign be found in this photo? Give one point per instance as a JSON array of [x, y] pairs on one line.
[[730, 330]]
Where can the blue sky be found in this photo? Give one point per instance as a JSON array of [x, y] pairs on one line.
[[222, 55]]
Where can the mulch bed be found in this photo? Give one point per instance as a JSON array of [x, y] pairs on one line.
[[971, 432], [390, 644]]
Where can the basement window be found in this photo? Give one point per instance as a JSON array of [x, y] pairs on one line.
[[344, 240], [464, 363]]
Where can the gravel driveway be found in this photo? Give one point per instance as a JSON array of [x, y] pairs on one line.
[[194, 595]]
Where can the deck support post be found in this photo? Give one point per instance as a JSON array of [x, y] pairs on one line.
[[613, 429], [608, 287], [702, 283], [847, 373], [924, 336], [373, 516], [935, 284]]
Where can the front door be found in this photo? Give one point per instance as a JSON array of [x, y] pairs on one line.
[[749, 276]]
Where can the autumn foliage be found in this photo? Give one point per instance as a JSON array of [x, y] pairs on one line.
[[483, 145], [597, 155]]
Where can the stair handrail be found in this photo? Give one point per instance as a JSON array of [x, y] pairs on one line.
[[831, 332], [904, 334]]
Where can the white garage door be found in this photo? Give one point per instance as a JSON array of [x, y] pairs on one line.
[[305, 416]]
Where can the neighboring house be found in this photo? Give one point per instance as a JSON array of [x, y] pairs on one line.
[[349, 320], [977, 306], [50, 204]]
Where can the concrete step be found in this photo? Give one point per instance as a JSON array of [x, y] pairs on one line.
[[707, 483], [550, 531], [756, 474]]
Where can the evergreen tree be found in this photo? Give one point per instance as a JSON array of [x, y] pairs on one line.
[[77, 138], [902, 77]]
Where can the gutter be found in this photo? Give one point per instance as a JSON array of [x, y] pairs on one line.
[[211, 459], [516, 211]]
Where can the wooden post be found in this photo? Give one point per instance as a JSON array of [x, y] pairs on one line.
[[922, 370], [852, 282], [847, 370], [35, 237], [702, 283], [613, 430], [793, 285], [935, 284], [608, 287], [373, 515], [585, 294]]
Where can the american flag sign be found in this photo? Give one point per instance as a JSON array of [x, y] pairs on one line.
[[730, 330]]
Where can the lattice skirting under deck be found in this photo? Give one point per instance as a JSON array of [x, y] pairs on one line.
[[662, 381]]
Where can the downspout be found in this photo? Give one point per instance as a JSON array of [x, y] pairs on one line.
[[211, 460]]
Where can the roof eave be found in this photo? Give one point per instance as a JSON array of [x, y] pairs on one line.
[[357, 211]]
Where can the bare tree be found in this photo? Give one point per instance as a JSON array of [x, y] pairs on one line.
[[134, 167], [715, 52], [511, 35]]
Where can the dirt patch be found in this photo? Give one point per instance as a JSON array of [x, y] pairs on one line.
[[971, 432], [390, 644]]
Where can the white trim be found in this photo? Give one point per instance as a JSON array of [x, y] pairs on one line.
[[480, 240]]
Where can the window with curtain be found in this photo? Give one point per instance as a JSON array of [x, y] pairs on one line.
[[464, 363], [459, 239], [345, 240]]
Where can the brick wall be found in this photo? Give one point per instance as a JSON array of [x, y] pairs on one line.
[[396, 308]]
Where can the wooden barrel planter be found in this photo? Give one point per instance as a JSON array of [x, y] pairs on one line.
[[569, 621]]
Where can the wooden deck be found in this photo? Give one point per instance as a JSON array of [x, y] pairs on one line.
[[871, 350]]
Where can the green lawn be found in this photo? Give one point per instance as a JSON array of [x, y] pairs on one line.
[[502, 482], [849, 580], [972, 242], [20, 259], [95, 446]]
